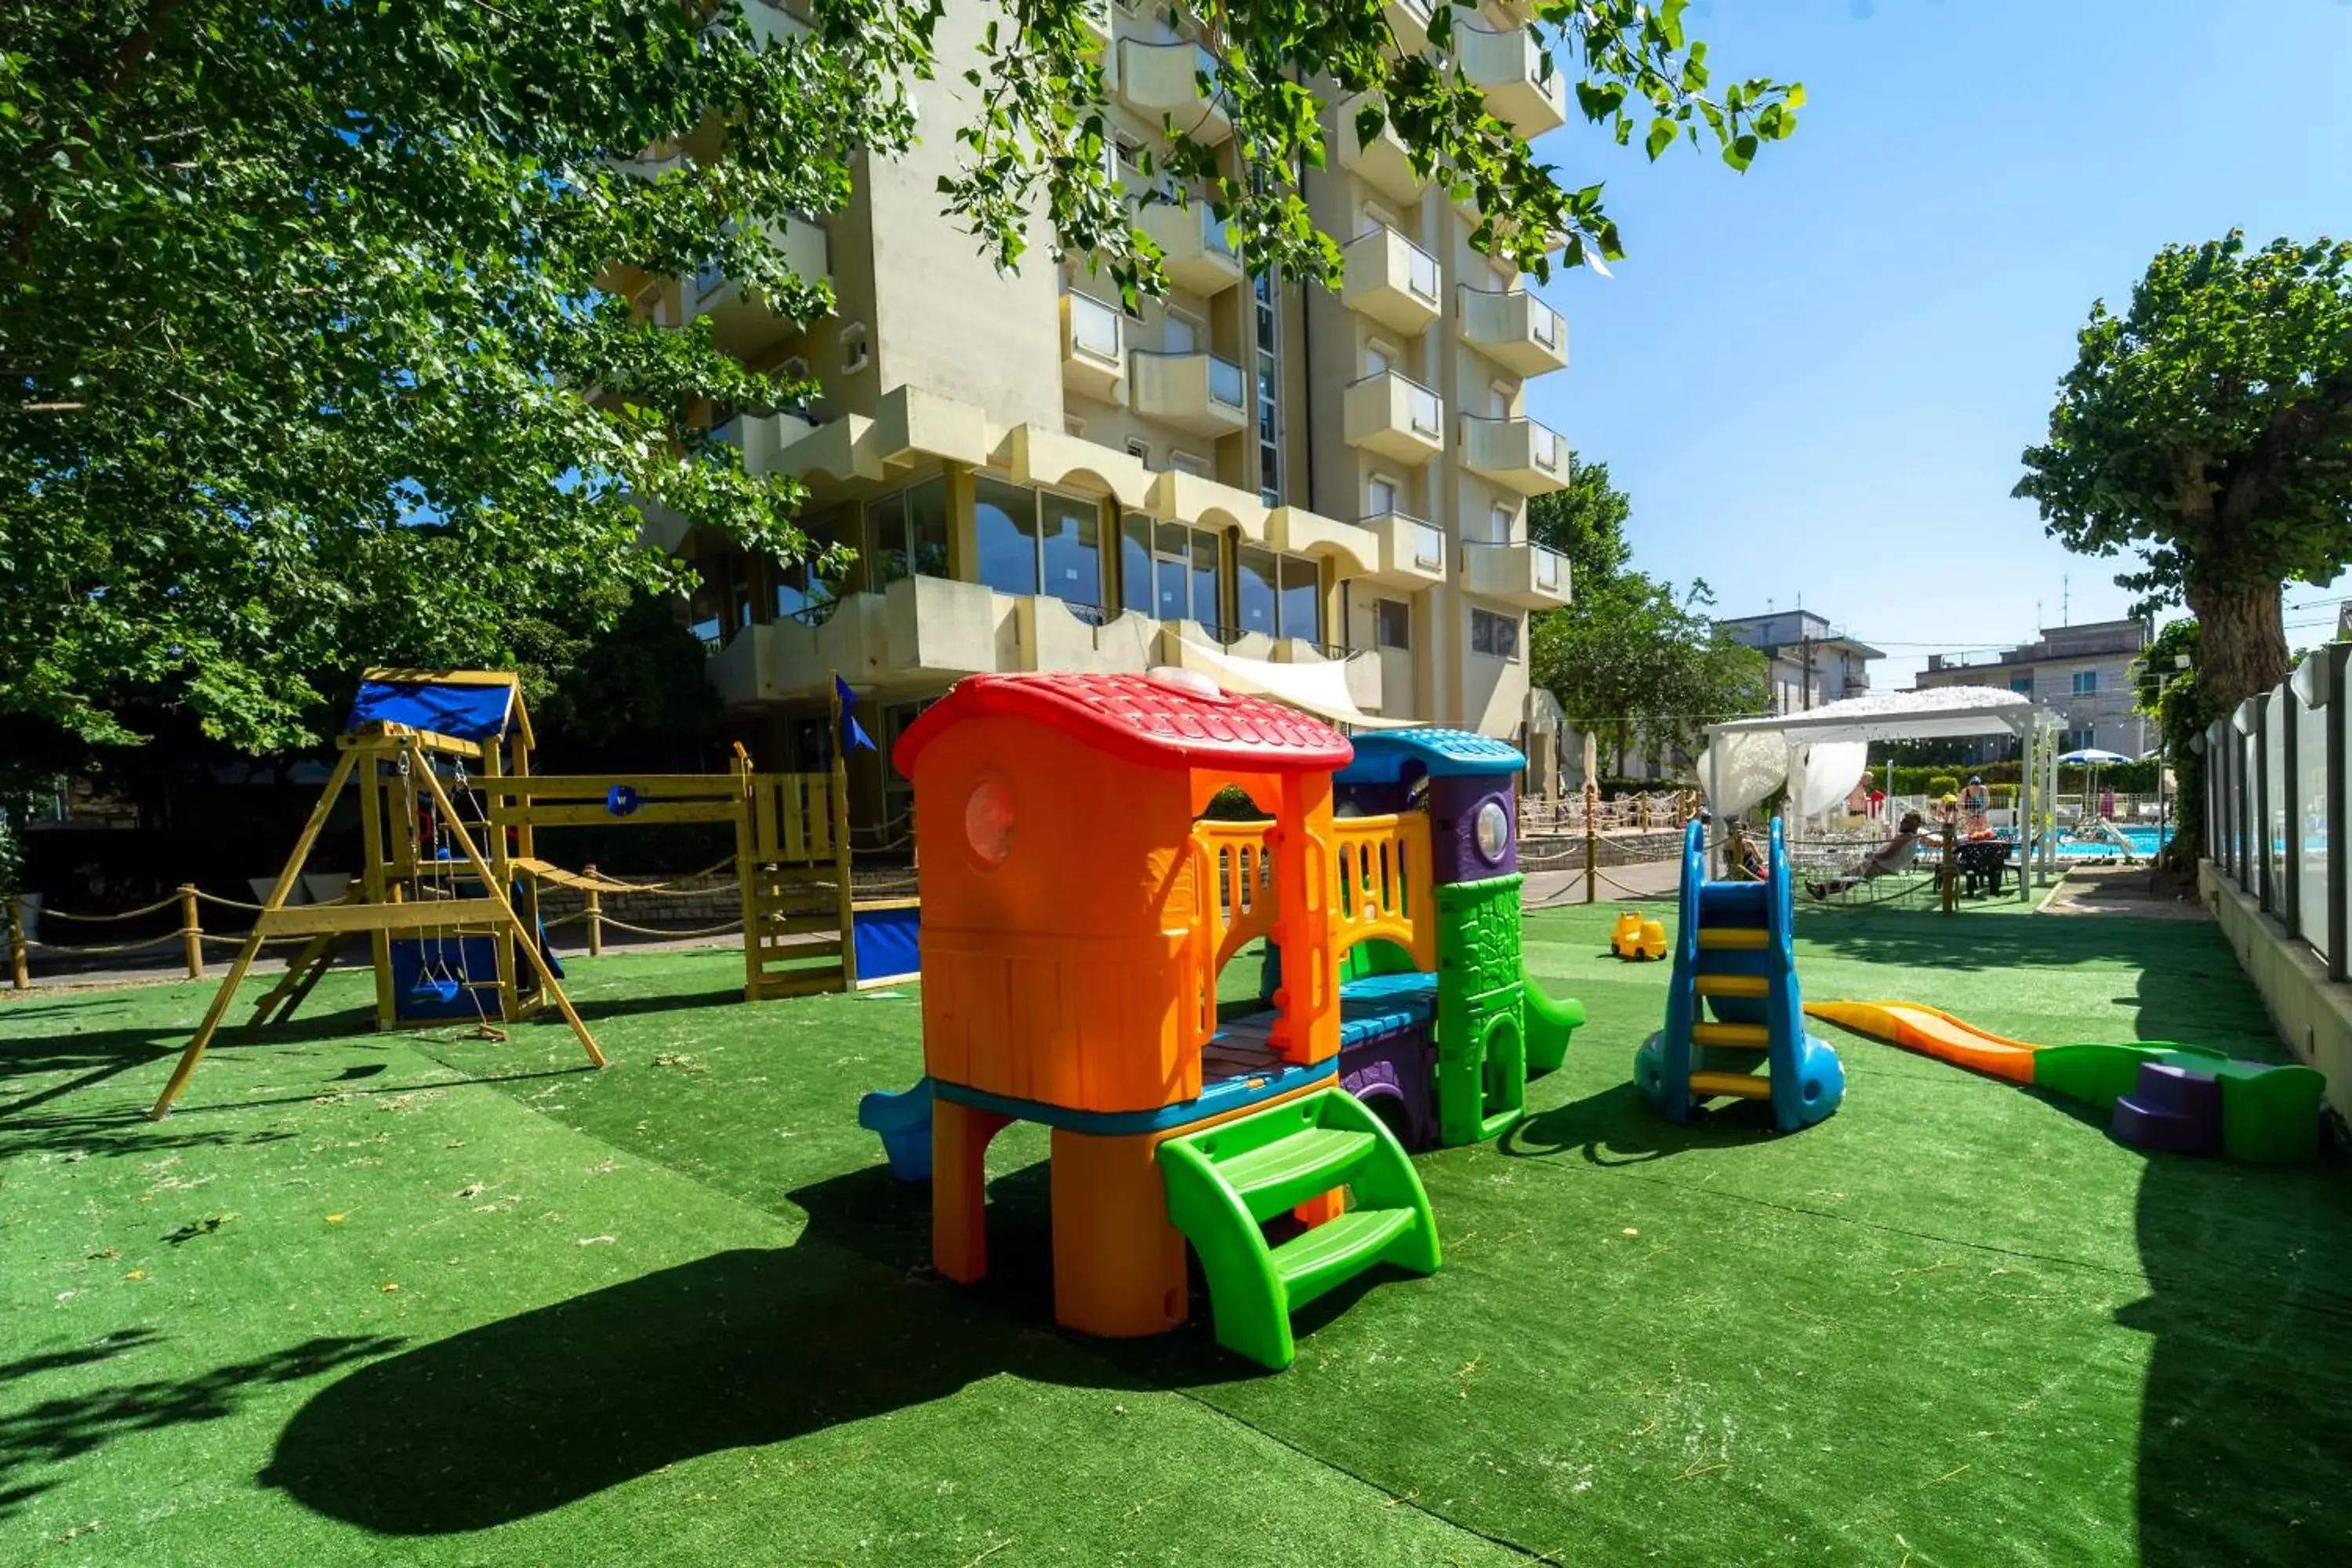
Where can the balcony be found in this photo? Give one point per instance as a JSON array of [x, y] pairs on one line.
[[1165, 80], [1529, 457], [1193, 246], [1411, 554], [1527, 575], [770, 24], [1392, 416], [1408, 20], [1513, 329], [1094, 347], [1509, 68], [1095, 17], [1391, 280], [741, 322], [1196, 393], [1382, 163]]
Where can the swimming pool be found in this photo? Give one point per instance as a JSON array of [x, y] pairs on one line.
[[2144, 842]]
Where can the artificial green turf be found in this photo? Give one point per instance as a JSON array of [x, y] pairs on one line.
[[676, 1312]]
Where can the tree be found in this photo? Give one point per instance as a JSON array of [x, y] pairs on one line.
[[2210, 429], [303, 357], [1628, 659], [2165, 689]]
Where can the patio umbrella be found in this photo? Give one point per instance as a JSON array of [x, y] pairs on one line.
[[2092, 758]]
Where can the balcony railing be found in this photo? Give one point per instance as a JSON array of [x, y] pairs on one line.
[[1094, 341], [1529, 457], [1513, 329], [1394, 416], [1195, 251], [1391, 280], [1175, 80], [1510, 66], [1199, 393], [1530, 577]]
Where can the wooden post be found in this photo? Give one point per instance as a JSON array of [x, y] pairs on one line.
[[1592, 850], [374, 882], [595, 916], [192, 936], [19, 972]]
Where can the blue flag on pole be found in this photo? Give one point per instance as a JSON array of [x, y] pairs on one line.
[[852, 733]]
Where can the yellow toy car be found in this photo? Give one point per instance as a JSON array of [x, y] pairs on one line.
[[1637, 937]]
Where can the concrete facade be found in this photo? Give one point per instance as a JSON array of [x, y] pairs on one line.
[[2083, 671], [1037, 479], [1811, 662]]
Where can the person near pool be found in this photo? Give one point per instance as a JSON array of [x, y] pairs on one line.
[[1888, 858], [1975, 801], [2107, 802]]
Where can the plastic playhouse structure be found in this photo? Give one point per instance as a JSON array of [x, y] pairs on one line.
[[2192, 1100], [1733, 957], [1636, 937], [1077, 910]]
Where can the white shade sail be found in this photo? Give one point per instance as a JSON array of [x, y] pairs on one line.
[[1321, 688], [1943, 712]]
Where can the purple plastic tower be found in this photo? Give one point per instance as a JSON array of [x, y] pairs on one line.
[[1392, 1077], [2172, 1109], [1453, 806]]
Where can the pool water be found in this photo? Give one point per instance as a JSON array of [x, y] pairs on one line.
[[2144, 842]]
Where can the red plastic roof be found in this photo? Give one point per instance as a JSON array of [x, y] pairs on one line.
[[1140, 718]]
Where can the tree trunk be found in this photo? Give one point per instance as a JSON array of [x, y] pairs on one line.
[[1620, 728], [2241, 646]]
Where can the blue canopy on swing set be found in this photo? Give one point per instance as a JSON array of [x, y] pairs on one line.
[[476, 705]]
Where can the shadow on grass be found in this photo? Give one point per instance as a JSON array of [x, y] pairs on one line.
[[741, 1348], [54, 1431], [1617, 1127]]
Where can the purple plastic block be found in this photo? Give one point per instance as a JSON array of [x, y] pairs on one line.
[[2171, 1108], [1453, 806], [1392, 1076]]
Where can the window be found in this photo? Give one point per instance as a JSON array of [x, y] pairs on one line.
[[1186, 463], [804, 592], [907, 534], [1280, 596], [1378, 358], [1004, 528], [1169, 571], [1179, 334], [1074, 426], [1497, 637], [1269, 384], [1139, 450], [1380, 497], [1032, 542], [1392, 623], [2076, 740], [1374, 219], [854, 353], [1130, 155], [2023, 683], [1498, 524], [2086, 683]]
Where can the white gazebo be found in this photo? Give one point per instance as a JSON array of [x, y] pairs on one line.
[[1820, 752]]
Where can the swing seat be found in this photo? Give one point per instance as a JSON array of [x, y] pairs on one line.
[[429, 988]]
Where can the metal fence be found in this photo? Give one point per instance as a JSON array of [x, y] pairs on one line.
[[2276, 773]]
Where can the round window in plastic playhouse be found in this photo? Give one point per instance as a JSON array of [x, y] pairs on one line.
[[1493, 826], [987, 821]]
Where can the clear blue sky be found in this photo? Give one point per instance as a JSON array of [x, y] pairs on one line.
[[1815, 379]]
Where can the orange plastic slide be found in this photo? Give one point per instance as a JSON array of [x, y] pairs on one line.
[[1932, 1032]]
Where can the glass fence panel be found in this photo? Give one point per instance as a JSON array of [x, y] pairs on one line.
[[2275, 785], [2248, 806], [2308, 823]]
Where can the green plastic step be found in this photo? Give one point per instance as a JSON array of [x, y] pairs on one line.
[[1223, 1182], [1337, 1251], [1279, 1177]]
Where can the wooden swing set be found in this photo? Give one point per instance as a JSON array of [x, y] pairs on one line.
[[433, 879]]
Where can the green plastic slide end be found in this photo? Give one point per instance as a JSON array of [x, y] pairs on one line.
[[1550, 1023]]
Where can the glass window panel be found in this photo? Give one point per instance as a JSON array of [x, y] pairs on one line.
[[1072, 538], [1207, 606], [927, 527], [1254, 576], [1392, 623], [1005, 527], [1167, 583], [886, 528], [1302, 599], [1135, 567], [2310, 823]]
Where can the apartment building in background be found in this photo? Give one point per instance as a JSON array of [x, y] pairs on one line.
[[2083, 671], [1246, 475], [1810, 663]]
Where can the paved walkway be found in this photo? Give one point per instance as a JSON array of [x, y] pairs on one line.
[[2119, 890]]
